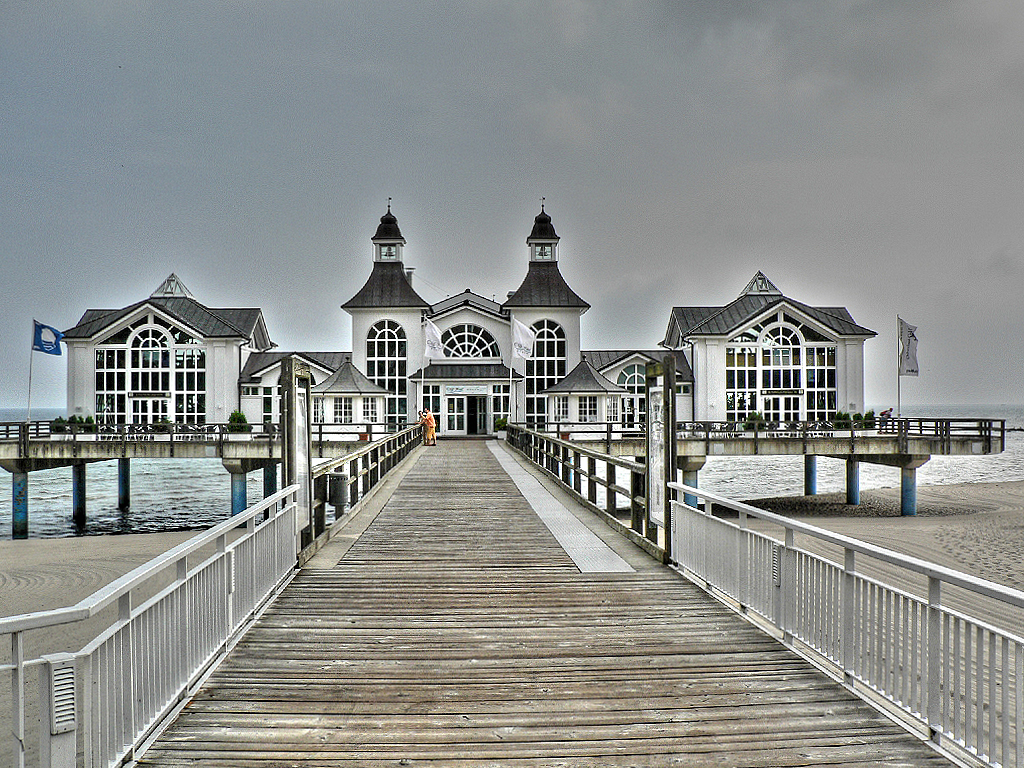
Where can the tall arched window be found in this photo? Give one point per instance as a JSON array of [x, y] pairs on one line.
[[386, 366], [546, 367], [467, 340], [634, 405]]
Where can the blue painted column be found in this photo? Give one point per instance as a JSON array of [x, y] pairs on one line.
[[690, 478], [810, 475], [852, 481], [908, 491], [78, 493], [124, 483], [238, 493], [19, 505], [269, 480]]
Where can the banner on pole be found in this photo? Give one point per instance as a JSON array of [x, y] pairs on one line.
[[46, 339], [523, 338], [908, 348], [432, 346]]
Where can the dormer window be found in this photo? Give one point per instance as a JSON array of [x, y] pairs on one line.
[[543, 252]]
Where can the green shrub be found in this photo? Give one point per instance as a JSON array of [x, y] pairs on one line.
[[60, 424], [238, 423], [500, 423]]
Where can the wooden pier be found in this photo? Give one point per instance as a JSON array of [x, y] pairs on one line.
[[451, 628]]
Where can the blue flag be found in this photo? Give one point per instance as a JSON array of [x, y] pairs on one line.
[[46, 339]]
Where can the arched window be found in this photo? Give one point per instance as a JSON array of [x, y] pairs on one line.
[[546, 367], [469, 341], [386, 366], [634, 405]]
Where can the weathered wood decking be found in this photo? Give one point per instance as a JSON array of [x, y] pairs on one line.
[[456, 631]]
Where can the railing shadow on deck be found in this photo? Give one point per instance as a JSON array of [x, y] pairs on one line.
[[97, 705]]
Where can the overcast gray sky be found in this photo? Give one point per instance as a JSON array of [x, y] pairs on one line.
[[864, 154]]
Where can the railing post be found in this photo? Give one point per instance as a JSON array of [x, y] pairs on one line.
[[848, 642], [934, 694], [636, 491], [18, 699], [609, 494], [591, 477]]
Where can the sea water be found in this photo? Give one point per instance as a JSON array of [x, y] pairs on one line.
[[188, 494]]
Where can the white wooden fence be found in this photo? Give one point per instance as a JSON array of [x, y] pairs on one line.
[[102, 701], [909, 635]]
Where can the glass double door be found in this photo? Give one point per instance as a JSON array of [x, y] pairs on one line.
[[149, 410], [465, 415], [781, 408]]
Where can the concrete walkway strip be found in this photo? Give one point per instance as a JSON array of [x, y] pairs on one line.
[[586, 549]]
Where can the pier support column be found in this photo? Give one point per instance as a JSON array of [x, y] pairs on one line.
[[239, 500], [908, 491], [269, 480], [19, 505], [852, 481], [810, 475], [689, 466], [124, 484], [78, 493]]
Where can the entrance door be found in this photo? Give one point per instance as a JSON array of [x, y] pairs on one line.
[[455, 415], [782, 408], [476, 415], [149, 410]]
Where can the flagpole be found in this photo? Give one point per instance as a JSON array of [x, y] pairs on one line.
[[899, 397], [28, 413]]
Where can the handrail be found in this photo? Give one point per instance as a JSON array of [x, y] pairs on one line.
[[932, 659]]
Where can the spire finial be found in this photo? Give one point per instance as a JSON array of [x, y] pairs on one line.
[[389, 205], [542, 205]]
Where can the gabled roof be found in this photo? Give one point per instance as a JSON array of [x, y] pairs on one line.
[[466, 299], [465, 371], [544, 286], [584, 379], [207, 322], [758, 297], [387, 286], [260, 362], [602, 359], [348, 380]]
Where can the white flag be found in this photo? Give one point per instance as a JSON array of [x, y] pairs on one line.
[[432, 346], [522, 339], [908, 348]]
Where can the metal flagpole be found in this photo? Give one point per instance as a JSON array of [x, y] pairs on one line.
[[899, 396], [28, 413]]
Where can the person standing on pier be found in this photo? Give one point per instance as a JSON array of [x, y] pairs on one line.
[[429, 428]]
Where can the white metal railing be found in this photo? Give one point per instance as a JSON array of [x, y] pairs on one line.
[[911, 632], [146, 662]]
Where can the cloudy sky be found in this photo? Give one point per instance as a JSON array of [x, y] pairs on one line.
[[860, 153]]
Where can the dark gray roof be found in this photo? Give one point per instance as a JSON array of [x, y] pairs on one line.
[[388, 227], [261, 361], [604, 358], [584, 379], [464, 299], [348, 380], [543, 229], [722, 321], [207, 321], [544, 286], [465, 371], [387, 286]]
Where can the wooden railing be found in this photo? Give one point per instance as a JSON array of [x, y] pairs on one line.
[[612, 486]]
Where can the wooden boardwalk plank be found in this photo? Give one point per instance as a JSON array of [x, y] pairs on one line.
[[455, 631]]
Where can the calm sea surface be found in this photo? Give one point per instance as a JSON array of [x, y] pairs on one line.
[[184, 494]]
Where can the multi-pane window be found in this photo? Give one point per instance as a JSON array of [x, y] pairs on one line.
[[343, 410], [318, 410], [612, 406], [386, 366], [741, 390], [432, 398], [780, 359], [370, 410], [821, 399], [588, 408], [466, 340], [500, 401], [561, 408], [546, 367], [150, 371], [632, 378]]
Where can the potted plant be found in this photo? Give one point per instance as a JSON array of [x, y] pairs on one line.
[[238, 423], [501, 427]]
